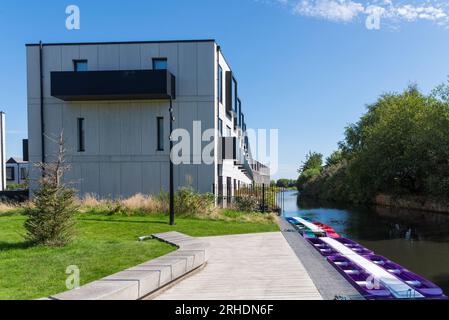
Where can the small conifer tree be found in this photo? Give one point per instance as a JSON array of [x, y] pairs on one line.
[[50, 219]]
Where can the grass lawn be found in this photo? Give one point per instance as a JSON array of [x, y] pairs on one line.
[[104, 245]]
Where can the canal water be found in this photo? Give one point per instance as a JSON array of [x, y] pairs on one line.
[[417, 240]]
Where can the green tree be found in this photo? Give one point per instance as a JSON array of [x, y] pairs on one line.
[[398, 147], [50, 219], [309, 169], [283, 183], [314, 160], [335, 158]]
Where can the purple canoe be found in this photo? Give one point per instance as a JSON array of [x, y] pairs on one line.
[[423, 286], [359, 278]]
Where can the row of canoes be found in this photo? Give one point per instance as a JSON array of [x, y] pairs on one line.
[[374, 276]]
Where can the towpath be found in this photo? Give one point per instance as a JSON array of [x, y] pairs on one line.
[[247, 267]]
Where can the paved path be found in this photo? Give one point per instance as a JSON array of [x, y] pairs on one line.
[[247, 267]]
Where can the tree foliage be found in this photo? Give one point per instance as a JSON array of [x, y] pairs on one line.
[[400, 146], [310, 168], [286, 183]]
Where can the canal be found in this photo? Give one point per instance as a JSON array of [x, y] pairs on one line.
[[418, 240]]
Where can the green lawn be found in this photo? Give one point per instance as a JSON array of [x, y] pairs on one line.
[[103, 245]]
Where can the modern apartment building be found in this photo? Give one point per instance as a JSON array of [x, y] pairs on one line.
[[112, 102]]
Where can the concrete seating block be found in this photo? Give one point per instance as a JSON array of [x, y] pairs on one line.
[[188, 258], [165, 274], [103, 290], [178, 266], [148, 280], [144, 279], [199, 256]]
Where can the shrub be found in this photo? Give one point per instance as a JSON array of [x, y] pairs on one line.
[[142, 203], [187, 201], [247, 203]]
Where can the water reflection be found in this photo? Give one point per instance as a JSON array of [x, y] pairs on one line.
[[418, 240]]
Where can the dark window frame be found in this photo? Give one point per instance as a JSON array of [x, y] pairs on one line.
[[228, 93], [235, 94], [160, 60], [239, 113], [79, 61], [220, 127], [12, 171], [23, 173], [81, 134], [160, 134], [220, 84]]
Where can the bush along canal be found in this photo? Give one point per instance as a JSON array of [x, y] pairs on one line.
[[385, 253]]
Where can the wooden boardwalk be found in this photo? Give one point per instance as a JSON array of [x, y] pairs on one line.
[[247, 267]]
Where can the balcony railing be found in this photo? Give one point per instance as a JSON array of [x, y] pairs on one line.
[[113, 85]]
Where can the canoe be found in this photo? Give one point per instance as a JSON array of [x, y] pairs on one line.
[[303, 230], [323, 248], [360, 266], [354, 246], [423, 286], [359, 278], [310, 226], [329, 231]]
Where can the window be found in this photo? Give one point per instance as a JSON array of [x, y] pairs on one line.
[[81, 146], [160, 134], [80, 65], [23, 173], [160, 64], [10, 173], [234, 95], [220, 84], [220, 127], [239, 113]]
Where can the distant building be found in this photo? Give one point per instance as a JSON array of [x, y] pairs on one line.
[[16, 171]]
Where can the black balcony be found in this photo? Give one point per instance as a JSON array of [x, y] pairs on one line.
[[113, 85]]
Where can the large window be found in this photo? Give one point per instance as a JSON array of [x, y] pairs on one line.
[[80, 65], [160, 64], [10, 173], [81, 138], [160, 134], [220, 84]]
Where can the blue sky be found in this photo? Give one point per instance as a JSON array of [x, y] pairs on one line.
[[305, 67]]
